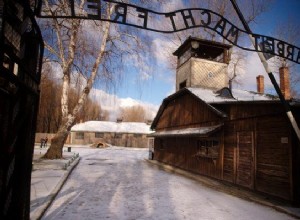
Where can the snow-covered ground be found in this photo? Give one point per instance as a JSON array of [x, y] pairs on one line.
[[116, 183]]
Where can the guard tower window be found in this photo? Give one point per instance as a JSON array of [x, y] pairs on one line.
[[203, 49], [182, 84], [210, 53], [184, 57]]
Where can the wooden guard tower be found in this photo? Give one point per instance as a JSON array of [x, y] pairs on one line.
[[202, 63]]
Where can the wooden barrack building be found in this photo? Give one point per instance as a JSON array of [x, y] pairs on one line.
[[241, 137]]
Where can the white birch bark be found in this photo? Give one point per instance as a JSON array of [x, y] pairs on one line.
[[68, 118]]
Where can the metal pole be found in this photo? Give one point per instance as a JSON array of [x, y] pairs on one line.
[[270, 74]]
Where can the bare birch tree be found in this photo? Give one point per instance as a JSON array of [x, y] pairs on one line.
[[94, 50], [64, 50]]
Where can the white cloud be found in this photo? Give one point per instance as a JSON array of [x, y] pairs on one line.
[[253, 68], [172, 6], [145, 76], [140, 64], [113, 103], [163, 49]]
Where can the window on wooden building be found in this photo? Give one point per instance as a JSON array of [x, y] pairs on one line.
[[118, 135], [161, 144], [99, 135], [208, 148], [79, 135], [137, 135]]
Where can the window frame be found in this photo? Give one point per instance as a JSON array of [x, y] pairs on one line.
[[99, 135], [79, 135], [118, 135], [161, 144], [208, 148], [138, 135]]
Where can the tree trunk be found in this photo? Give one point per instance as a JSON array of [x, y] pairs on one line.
[[57, 142], [68, 119]]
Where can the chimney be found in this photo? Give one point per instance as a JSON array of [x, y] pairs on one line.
[[285, 82], [260, 84]]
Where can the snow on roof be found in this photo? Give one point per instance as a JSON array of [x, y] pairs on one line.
[[186, 131], [210, 96], [108, 126]]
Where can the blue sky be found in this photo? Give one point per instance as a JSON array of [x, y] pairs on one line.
[[279, 11], [159, 81]]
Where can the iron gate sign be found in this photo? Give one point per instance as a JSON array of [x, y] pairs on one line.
[[169, 22]]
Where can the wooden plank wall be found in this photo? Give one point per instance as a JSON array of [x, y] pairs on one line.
[[296, 159], [272, 143], [273, 172], [231, 129], [245, 159], [251, 110], [181, 152], [272, 159], [230, 141], [186, 111]]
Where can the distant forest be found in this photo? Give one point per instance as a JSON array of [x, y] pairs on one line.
[[49, 116]]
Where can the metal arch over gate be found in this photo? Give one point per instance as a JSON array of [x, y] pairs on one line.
[[179, 20], [175, 21]]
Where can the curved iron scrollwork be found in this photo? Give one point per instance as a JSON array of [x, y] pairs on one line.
[[179, 20]]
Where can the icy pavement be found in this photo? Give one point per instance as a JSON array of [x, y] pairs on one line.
[[116, 183], [46, 179]]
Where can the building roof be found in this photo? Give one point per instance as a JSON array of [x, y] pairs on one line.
[[108, 126], [187, 42], [210, 97], [199, 132]]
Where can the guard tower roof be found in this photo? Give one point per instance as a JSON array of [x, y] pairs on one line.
[[187, 44]]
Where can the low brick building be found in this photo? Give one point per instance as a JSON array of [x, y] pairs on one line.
[[127, 134]]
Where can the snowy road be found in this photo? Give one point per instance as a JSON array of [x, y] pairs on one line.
[[116, 183]]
